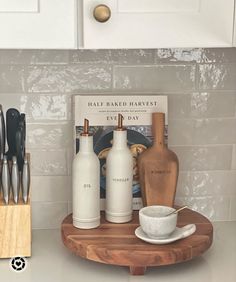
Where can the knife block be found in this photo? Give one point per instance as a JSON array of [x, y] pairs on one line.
[[15, 228]]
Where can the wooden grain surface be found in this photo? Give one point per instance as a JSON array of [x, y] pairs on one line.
[[117, 244], [15, 227], [158, 168], [15, 230]]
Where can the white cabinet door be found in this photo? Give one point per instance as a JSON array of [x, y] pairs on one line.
[[46, 24], [159, 23]]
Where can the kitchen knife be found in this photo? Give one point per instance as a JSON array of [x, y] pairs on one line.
[[15, 180], [12, 124], [25, 181], [22, 121], [5, 180], [2, 134], [20, 142]]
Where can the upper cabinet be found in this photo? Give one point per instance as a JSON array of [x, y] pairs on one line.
[[157, 23], [94, 24], [45, 24]]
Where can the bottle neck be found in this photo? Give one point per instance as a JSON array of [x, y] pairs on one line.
[[119, 139], [158, 130], [86, 144]]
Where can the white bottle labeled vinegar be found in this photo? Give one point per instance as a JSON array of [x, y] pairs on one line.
[[119, 178], [86, 184]]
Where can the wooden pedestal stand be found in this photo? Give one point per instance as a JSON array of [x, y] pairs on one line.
[[116, 243]]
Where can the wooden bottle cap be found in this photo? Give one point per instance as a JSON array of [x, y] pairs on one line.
[[120, 126], [86, 128]]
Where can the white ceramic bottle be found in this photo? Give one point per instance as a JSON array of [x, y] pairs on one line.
[[119, 177], [86, 183]]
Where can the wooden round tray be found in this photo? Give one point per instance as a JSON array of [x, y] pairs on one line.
[[116, 243]]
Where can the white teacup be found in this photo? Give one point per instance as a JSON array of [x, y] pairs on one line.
[[155, 223]]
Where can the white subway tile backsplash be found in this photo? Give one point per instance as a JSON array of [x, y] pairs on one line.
[[132, 56], [70, 157], [50, 136], [193, 55], [12, 79], [162, 78], [90, 56], [39, 107], [218, 55], [50, 188], [201, 158], [67, 79], [217, 76], [126, 56], [48, 214], [200, 85], [202, 105], [232, 208], [197, 55], [234, 158], [215, 208], [31, 57], [49, 162], [46, 107], [70, 207], [206, 183], [202, 131], [10, 100]]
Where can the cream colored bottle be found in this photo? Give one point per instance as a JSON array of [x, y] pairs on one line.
[[86, 184], [119, 178]]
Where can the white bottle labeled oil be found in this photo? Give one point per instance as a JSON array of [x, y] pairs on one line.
[[119, 177], [86, 184]]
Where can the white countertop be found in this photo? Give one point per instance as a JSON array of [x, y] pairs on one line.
[[51, 261]]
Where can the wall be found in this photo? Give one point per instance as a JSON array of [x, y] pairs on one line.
[[201, 88]]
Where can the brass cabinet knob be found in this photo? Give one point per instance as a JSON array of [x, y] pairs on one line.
[[102, 13]]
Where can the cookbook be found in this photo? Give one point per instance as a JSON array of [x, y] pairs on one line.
[[102, 112]]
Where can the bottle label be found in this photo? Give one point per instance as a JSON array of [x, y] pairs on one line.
[[87, 186], [160, 171], [121, 179]]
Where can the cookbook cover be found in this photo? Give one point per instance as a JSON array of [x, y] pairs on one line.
[[102, 112]]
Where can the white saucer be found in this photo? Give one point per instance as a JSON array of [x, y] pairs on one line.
[[178, 234]]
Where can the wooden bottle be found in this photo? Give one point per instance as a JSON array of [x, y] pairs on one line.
[[158, 168]]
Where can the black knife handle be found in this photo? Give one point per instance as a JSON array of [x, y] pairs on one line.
[[2, 133], [12, 124], [20, 142], [20, 148], [22, 123]]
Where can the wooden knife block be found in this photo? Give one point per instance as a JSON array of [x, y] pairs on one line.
[[15, 228]]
